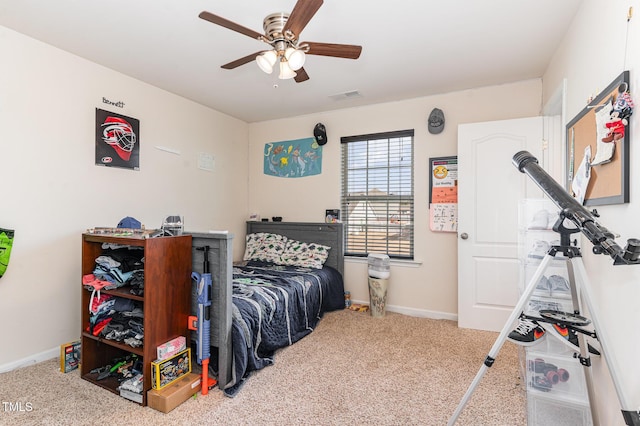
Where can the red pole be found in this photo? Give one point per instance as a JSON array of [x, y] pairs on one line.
[[205, 376]]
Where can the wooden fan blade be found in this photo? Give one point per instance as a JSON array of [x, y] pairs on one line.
[[241, 61], [300, 16], [218, 20], [301, 75], [348, 51]]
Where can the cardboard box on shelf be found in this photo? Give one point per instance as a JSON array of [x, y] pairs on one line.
[[176, 393]]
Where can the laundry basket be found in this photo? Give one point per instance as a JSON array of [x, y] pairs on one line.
[[379, 272]]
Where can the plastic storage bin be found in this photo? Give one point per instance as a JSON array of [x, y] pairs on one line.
[[546, 411], [379, 272], [557, 377]]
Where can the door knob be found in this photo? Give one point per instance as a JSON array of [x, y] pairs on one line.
[[464, 235]]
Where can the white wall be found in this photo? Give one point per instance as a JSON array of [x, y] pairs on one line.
[[600, 44], [430, 287], [51, 191]]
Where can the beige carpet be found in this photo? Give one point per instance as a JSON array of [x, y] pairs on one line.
[[353, 369]]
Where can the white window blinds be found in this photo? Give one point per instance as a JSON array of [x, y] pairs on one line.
[[377, 194]]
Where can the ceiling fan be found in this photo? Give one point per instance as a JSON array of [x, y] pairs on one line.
[[282, 32]]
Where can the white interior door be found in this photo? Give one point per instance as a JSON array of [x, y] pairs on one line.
[[489, 190]]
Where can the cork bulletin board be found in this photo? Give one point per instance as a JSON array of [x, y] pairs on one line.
[[609, 180]]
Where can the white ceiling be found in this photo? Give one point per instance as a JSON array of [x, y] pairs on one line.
[[410, 48]]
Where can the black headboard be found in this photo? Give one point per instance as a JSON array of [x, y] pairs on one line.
[[328, 234]]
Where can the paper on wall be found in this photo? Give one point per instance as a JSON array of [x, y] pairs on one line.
[[581, 179]]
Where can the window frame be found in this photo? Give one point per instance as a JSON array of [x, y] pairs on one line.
[[390, 204]]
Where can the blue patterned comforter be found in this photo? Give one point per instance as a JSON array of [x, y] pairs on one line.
[[273, 307]]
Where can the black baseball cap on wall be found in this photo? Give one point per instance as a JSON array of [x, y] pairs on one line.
[[320, 133]]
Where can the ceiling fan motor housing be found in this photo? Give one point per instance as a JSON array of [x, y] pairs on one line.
[[273, 25]]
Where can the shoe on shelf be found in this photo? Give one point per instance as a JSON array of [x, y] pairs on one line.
[[539, 250], [541, 383], [571, 337], [536, 305], [540, 220], [543, 287], [528, 332], [559, 284]]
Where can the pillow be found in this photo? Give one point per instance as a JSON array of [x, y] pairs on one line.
[[252, 245], [270, 248], [307, 255]]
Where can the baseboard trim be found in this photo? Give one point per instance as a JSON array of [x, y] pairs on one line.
[[422, 313], [412, 312], [31, 360]]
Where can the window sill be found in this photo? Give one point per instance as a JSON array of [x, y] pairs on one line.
[[394, 262]]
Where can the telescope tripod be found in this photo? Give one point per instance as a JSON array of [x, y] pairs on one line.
[[580, 290]]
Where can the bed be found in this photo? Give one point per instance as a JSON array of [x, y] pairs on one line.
[[259, 306]]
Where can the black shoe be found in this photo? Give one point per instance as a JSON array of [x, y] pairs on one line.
[[527, 333], [572, 338]]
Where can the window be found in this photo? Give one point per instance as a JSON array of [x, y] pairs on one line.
[[377, 194]]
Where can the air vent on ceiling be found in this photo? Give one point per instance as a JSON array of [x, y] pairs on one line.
[[346, 95]]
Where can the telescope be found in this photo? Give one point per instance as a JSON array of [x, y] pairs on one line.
[[602, 239], [573, 218]]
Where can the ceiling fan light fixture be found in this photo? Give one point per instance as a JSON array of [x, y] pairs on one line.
[[295, 57], [282, 32], [285, 71], [266, 60]]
